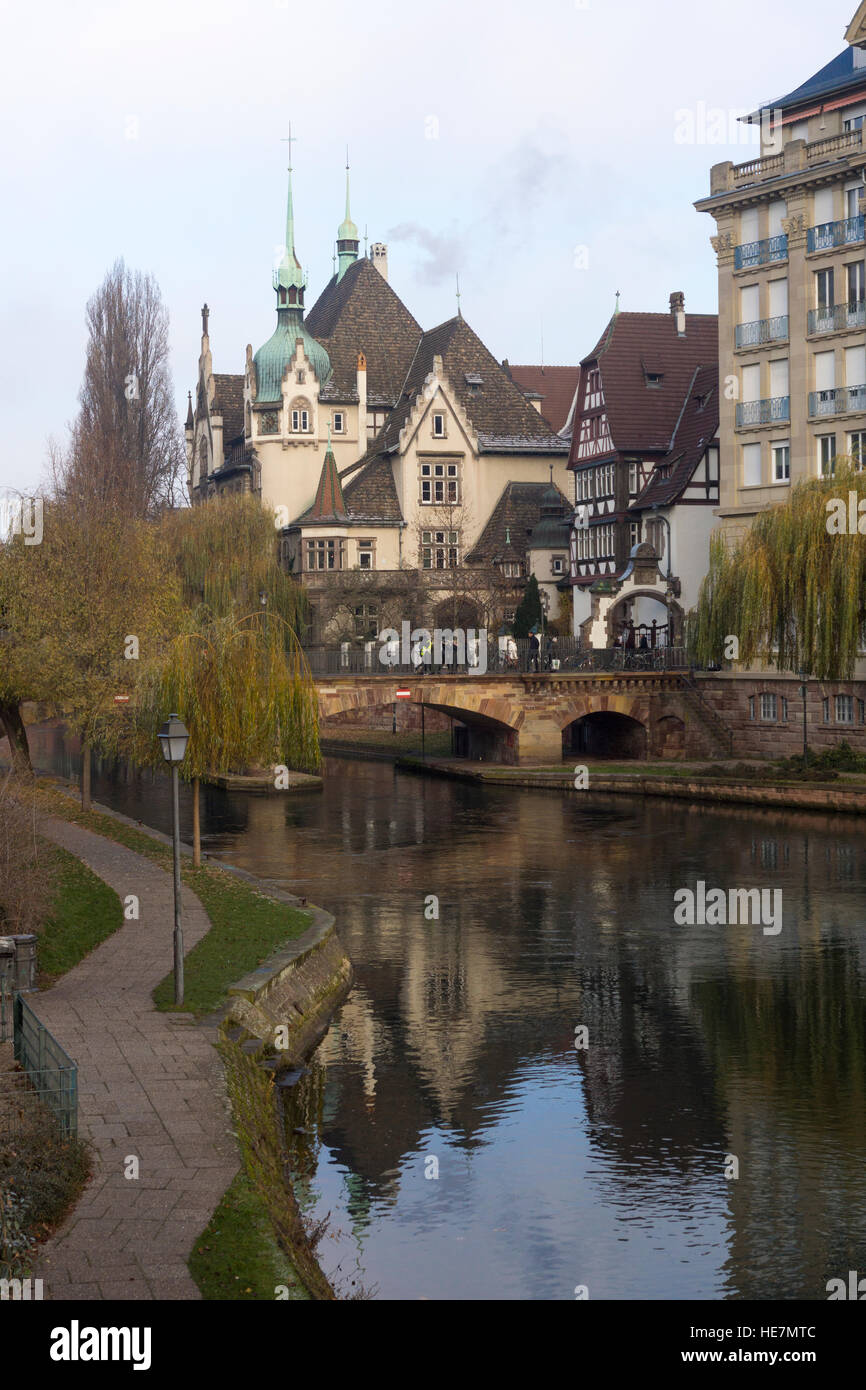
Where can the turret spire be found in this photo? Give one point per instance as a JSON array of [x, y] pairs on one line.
[[289, 280], [347, 234]]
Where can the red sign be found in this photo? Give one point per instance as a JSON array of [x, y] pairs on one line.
[[121, 699], [404, 694]]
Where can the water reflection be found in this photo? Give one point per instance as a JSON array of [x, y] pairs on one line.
[[557, 1167]]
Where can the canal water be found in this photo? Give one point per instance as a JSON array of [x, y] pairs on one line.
[[708, 1141]]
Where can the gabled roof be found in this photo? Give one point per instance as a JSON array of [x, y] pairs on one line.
[[555, 385], [372, 494], [361, 313], [640, 417], [696, 427], [500, 414], [228, 402], [515, 515]]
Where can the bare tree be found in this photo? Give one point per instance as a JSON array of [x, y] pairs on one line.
[[126, 448]]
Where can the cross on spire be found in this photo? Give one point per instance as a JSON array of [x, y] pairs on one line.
[[289, 140]]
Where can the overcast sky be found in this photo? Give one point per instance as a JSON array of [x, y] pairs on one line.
[[536, 149]]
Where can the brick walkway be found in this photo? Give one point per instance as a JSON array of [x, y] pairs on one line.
[[150, 1085]]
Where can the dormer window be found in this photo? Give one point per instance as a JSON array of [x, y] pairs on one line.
[[438, 426], [654, 378]]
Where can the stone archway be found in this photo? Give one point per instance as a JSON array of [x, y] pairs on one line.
[[606, 734]]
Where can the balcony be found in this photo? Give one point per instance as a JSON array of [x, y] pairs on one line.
[[767, 412], [837, 317], [752, 253], [828, 235], [838, 400], [761, 331]]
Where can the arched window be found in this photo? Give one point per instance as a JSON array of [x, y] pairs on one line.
[[301, 416]]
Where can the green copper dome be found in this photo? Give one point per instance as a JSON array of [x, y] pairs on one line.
[[275, 355]]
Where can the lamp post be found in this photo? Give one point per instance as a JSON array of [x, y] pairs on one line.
[[174, 738]]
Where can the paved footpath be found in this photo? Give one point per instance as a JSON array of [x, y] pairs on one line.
[[150, 1086]]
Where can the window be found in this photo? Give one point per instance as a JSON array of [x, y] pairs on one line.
[[633, 479], [633, 534], [365, 555], [844, 709], [857, 448], [512, 569], [853, 123], [781, 462], [440, 549], [751, 465], [852, 202], [825, 706], [269, 422], [654, 378], [604, 480], [439, 426], [768, 707], [326, 554], [861, 711], [856, 283], [440, 483], [300, 418], [826, 455], [783, 709], [366, 617], [751, 706], [824, 289], [300, 377], [584, 484], [338, 422], [557, 564]]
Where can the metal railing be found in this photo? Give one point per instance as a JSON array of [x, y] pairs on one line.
[[750, 253], [773, 330], [763, 412], [50, 1070], [828, 235], [836, 317], [503, 657], [837, 400]]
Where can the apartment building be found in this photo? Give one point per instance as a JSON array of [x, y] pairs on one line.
[[792, 289]]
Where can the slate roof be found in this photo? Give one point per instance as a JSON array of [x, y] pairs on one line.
[[500, 414], [835, 78], [697, 425], [369, 497], [362, 313], [329, 504], [555, 385], [516, 513], [228, 402], [643, 418]]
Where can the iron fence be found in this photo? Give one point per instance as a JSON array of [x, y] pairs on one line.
[[500, 656], [50, 1071]]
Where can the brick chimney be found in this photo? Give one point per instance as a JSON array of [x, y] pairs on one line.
[[678, 310]]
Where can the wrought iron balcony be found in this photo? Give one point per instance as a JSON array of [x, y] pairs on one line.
[[763, 412], [837, 316], [829, 234], [762, 331], [774, 248], [838, 400]]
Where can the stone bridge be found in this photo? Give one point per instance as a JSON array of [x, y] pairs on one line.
[[529, 718]]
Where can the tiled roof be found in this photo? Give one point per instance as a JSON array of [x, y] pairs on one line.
[[372, 494], [515, 514], [329, 504], [697, 426], [362, 313], [500, 414], [835, 77], [556, 386], [641, 417], [228, 402]]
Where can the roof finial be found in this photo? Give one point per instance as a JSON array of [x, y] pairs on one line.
[[616, 310], [459, 314], [205, 315], [289, 273], [329, 436], [365, 239]]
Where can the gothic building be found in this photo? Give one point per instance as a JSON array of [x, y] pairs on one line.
[[381, 449]]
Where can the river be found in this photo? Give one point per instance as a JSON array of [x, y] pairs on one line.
[[708, 1140]]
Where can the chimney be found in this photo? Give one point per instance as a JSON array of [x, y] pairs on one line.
[[678, 310], [379, 257]]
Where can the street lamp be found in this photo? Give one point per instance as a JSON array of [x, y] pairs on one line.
[[173, 737]]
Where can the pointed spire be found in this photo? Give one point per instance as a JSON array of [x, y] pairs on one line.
[[459, 313], [189, 415], [329, 504], [347, 233], [616, 310], [289, 280]]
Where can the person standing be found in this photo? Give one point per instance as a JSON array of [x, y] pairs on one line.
[[533, 650]]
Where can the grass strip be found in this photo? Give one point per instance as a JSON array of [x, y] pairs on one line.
[[84, 912], [237, 1258]]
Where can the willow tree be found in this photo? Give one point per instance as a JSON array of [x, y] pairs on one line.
[[243, 689], [793, 588]]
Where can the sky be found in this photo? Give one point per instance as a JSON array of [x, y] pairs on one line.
[[549, 154]]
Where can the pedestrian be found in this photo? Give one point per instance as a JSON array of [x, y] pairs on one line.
[[533, 650]]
